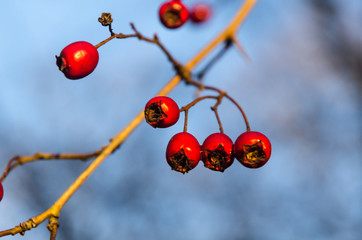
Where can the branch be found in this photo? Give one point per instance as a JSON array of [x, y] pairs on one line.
[[20, 160], [116, 142]]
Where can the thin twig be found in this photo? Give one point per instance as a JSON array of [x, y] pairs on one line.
[[20, 160]]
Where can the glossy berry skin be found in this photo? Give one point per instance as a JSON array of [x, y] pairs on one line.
[[1, 191], [217, 152], [161, 112], [200, 13], [78, 60], [173, 14], [183, 152], [252, 149]]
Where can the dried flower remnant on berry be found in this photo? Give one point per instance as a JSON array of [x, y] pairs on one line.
[[161, 112], [180, 162], [154, 113], [217, 152], [254, 155], [173, 14], [217, 159]]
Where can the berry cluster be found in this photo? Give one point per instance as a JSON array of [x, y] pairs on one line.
[[174, 14], [252, 149]]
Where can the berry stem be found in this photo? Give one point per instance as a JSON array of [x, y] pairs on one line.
[[201, 86], [214, 108], [194, 102], [186, 119], [105, 41], [241, 110]]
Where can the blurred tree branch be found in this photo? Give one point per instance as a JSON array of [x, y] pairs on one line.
[[345, 53]]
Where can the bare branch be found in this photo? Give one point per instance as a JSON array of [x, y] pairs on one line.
[[20, 160]]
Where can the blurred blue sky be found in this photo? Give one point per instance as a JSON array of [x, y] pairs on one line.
[[310, 189]]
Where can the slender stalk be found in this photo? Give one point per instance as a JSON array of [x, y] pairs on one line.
[[20, 160], [241, 110], [190, 105]]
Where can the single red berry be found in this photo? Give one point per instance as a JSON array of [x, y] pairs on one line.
[[78, 60], [217, 152], [161, 112], [183, 152], [1, 191], [200, 13], [173, 14], [252, 149]]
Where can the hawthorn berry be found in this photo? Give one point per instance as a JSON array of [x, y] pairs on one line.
[[1, 191], [173, 14], [252, 149], [217, 152], [78, 60], [183, 152], [200, 13], [161, 112]]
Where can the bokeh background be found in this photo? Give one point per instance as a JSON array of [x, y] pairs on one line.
[[302, 89]]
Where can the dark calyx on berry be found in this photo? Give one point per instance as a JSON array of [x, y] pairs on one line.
[[172, 17], [154, 113], [254, 154], [217, 158], [180, 162], [62, 65]]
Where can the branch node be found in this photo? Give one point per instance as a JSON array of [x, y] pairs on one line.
[[53, 226], [26, 226]]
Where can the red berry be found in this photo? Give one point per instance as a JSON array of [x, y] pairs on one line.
[[183, 152], [161, 112], [217, 152], [1, 191], [200, 13], [252, 149], [78, 60], [173, 14]]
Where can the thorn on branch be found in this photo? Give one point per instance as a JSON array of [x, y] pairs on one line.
[[239, 46]]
